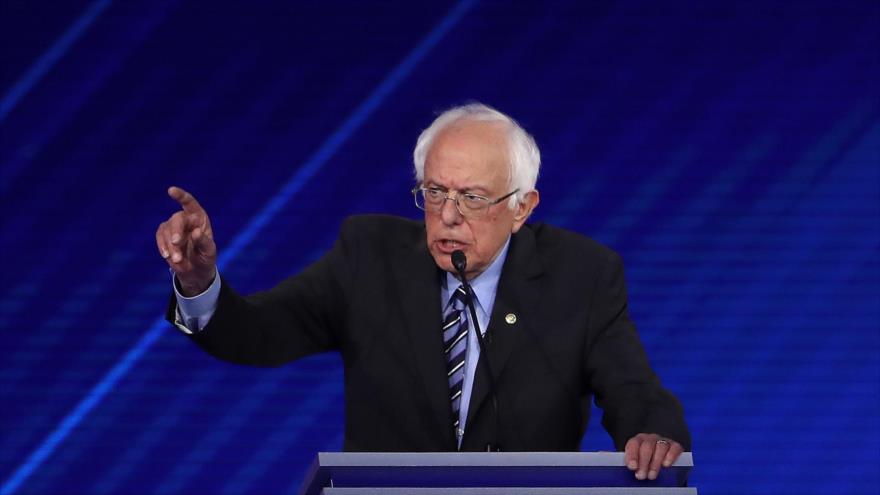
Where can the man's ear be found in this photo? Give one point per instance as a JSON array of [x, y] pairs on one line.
[[524, 208]]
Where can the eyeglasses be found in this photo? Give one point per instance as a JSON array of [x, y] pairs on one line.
[[432, 199]]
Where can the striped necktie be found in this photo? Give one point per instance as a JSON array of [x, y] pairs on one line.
[[455, 327]]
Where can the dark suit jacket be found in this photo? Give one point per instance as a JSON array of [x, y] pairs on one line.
[[375, 297]]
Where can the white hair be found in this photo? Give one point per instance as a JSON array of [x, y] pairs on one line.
[[525, 159]]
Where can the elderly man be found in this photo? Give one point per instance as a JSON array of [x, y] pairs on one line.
[[551, 303]]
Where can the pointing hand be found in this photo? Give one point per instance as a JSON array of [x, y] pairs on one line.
[[186, 241]]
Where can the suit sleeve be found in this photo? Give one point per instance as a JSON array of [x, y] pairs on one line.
[[303, 315], [625, 386]]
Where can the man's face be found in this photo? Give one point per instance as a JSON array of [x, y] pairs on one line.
[[471, 157]]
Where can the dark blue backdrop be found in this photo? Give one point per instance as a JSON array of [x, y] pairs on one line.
[[729, 151]]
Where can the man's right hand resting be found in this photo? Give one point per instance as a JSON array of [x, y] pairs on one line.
[[186, 241]]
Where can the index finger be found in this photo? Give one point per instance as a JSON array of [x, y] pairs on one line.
[[631, 455], [187, 201]]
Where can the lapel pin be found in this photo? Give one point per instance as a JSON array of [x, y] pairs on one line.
[[510, 318]]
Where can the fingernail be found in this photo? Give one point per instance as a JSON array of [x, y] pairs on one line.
[[652, 475], [176, 258], [666, 463], [633, 465], [165, 254], [175, 238], [640, 475]]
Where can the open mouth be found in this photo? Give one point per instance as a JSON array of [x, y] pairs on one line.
[[449, 245]]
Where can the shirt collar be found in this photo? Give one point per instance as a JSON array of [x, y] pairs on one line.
[[485, 285]]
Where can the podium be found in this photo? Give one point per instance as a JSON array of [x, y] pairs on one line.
[[488, 473]]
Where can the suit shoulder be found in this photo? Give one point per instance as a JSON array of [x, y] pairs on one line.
[[384, 228]]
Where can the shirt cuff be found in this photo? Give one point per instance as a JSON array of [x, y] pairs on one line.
[[194, 313]]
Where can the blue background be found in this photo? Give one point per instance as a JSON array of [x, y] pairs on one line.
[[730, 151]]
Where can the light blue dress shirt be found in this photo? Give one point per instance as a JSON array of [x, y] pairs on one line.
[[485, 287], [194, 313]]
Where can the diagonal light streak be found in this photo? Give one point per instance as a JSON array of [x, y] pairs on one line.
[[293, 185], [52, 55]]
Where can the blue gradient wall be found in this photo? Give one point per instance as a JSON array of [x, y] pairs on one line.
[[729, 151]]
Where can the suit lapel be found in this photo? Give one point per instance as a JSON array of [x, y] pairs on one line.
[[418, 280], [516, 301]]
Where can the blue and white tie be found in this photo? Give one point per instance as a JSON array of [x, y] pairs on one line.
[[455, 328]]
